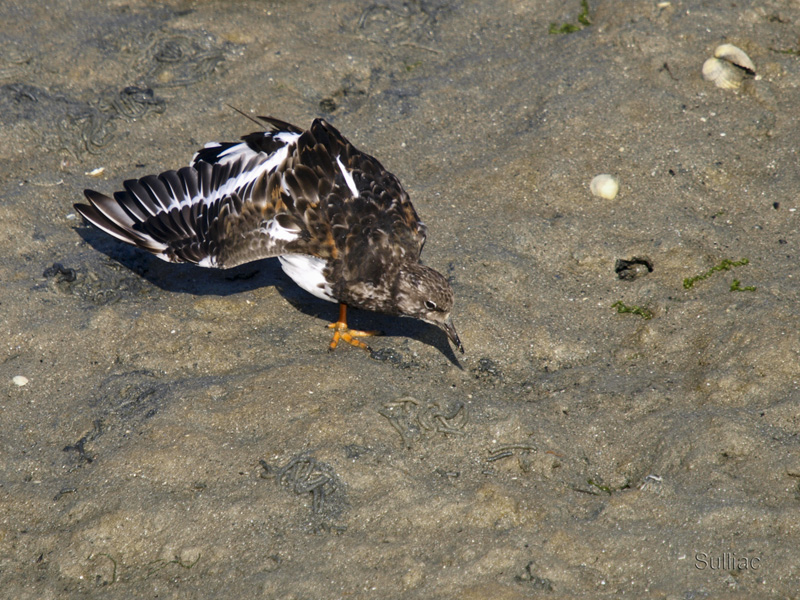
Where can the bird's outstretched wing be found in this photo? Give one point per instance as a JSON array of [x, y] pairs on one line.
[[226, 209], [280, 191]]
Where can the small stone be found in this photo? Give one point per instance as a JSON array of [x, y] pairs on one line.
[[20, 380]]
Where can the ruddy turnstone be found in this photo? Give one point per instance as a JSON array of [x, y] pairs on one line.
[[341, 225]]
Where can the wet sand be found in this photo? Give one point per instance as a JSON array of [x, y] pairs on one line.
[[185, 432]]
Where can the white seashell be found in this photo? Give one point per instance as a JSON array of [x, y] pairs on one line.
[[728, 68], [735, 56], [605, 186], [20, 380], [723, 74]]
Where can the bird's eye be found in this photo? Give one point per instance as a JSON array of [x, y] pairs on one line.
[[430, 305]]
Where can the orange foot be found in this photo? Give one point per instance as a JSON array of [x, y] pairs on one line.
[[343, 332]]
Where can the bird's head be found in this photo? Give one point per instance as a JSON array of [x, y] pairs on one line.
[[425, 294]]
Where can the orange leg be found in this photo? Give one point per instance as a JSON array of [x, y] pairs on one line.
[[343, 332]]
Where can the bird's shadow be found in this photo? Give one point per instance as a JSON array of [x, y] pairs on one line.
[[199, 281]]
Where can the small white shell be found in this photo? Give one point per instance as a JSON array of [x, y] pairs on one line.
[[735, 56], [605, 186], [20, 380], [728, 68], [723, 74]]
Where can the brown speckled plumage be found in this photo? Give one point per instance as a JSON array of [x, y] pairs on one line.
[[344, 227]]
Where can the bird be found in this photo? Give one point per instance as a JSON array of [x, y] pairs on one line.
[[342, 226]]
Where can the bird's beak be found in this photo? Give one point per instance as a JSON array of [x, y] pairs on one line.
[[450, 330]]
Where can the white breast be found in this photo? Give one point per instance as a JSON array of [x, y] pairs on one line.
[[306, 271]]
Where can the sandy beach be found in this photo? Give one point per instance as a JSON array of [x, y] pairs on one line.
[[625, 421]]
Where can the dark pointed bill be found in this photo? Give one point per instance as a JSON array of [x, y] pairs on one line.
[[450, 330]]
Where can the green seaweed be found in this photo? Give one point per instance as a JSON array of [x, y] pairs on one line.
[[725, 265], [564, 28], [634, 310], [736, 286], [556, 29], [583, 18], [790, 51], [602, 488]]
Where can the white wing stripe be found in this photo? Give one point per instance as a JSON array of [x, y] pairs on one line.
[[249, 174], [348, 177]]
